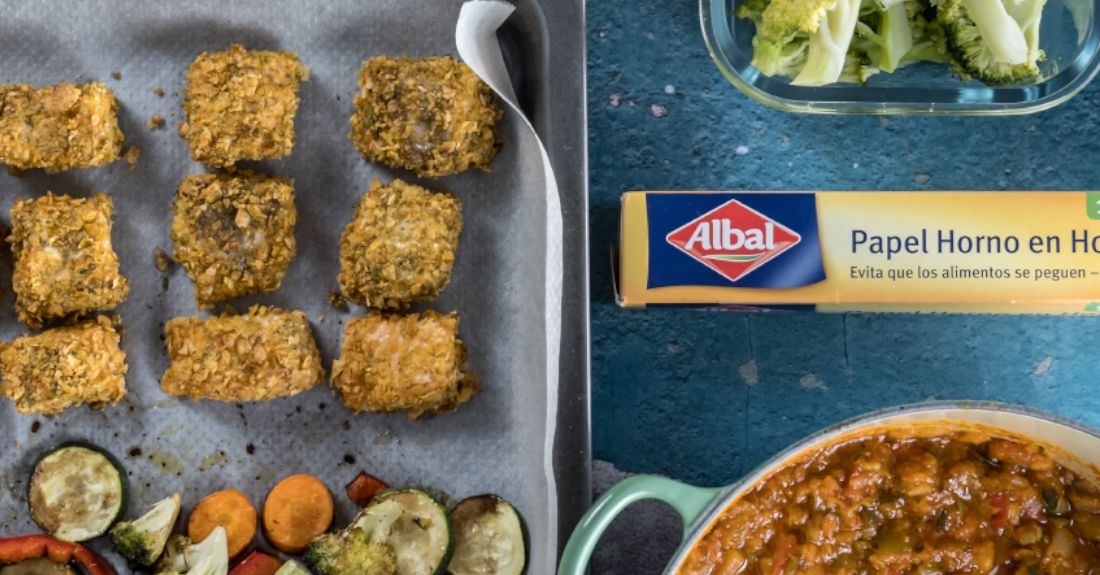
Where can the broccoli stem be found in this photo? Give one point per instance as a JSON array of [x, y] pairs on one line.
[[897, 36], [828, 47], [1081, 11], [888, 4], [999, 31], [1028, 14]]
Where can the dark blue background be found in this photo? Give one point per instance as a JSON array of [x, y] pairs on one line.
[[798, 266], [705, 396]]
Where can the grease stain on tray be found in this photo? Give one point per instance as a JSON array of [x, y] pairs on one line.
[[216, 459], [167, 462], [314, 437], [384, 438]]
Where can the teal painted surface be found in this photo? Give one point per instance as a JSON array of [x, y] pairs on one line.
[[704, 397]]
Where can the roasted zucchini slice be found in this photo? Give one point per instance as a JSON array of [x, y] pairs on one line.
[[414, 525], [77, 492], [489, 538], [39, 566]]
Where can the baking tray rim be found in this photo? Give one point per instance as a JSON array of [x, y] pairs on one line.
[[567, 144]]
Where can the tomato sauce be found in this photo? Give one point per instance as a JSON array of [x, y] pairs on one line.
[[960, 502]]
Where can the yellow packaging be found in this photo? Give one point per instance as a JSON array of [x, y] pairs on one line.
[[995, 252]]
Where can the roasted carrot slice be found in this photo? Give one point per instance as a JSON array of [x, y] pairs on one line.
[[364, 487], [296, 510], [230, 509]]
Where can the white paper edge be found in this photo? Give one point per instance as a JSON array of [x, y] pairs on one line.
[[475, 37]]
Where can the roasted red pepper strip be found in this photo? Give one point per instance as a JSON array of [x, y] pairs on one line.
[[257, 563], [18, 549], [364, 487]]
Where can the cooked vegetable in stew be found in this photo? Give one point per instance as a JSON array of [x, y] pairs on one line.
[[894, 502]]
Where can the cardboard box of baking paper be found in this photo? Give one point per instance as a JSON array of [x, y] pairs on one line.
[[991, 252]]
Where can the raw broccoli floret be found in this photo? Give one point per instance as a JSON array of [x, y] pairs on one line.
[[1081, 12], [141, 541], [351, 552], [893, 34], [806, 39], [818, 42], [858, 68], [781, 46], [209, 557], [829, 46], [995, 41], [885, 32], [752, 10], [929, 42]]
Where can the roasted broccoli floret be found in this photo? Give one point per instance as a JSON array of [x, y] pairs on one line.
[[995, 41], [209, 557], [172, 560], [350, 552], [806, 39], [141, 541]]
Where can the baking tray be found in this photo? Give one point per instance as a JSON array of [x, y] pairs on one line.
[[496, 443]]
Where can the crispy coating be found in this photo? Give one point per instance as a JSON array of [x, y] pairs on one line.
[[240, 105], [130, 156], [65, 265], [58, 127], [413, 363], [234, 234], [264, 354], [400, 246], [60, 368], [432, 116]]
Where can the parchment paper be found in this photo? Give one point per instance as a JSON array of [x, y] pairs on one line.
[[496, 443], [477, 45]]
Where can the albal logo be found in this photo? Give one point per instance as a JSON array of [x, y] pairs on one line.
[[733, 239]]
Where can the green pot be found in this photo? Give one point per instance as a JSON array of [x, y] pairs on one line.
[[1077, 446]]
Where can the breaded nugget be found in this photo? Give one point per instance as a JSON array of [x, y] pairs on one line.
[[59, 368], [432, 116], [58, 127], [264, 354], [65, 265], [400, 246], [240, 105], [413, 363], [234, 234]]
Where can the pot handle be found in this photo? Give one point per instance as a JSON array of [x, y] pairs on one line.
[[689, 501]]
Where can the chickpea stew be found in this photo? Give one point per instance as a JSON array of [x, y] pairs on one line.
[[898, 501]]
